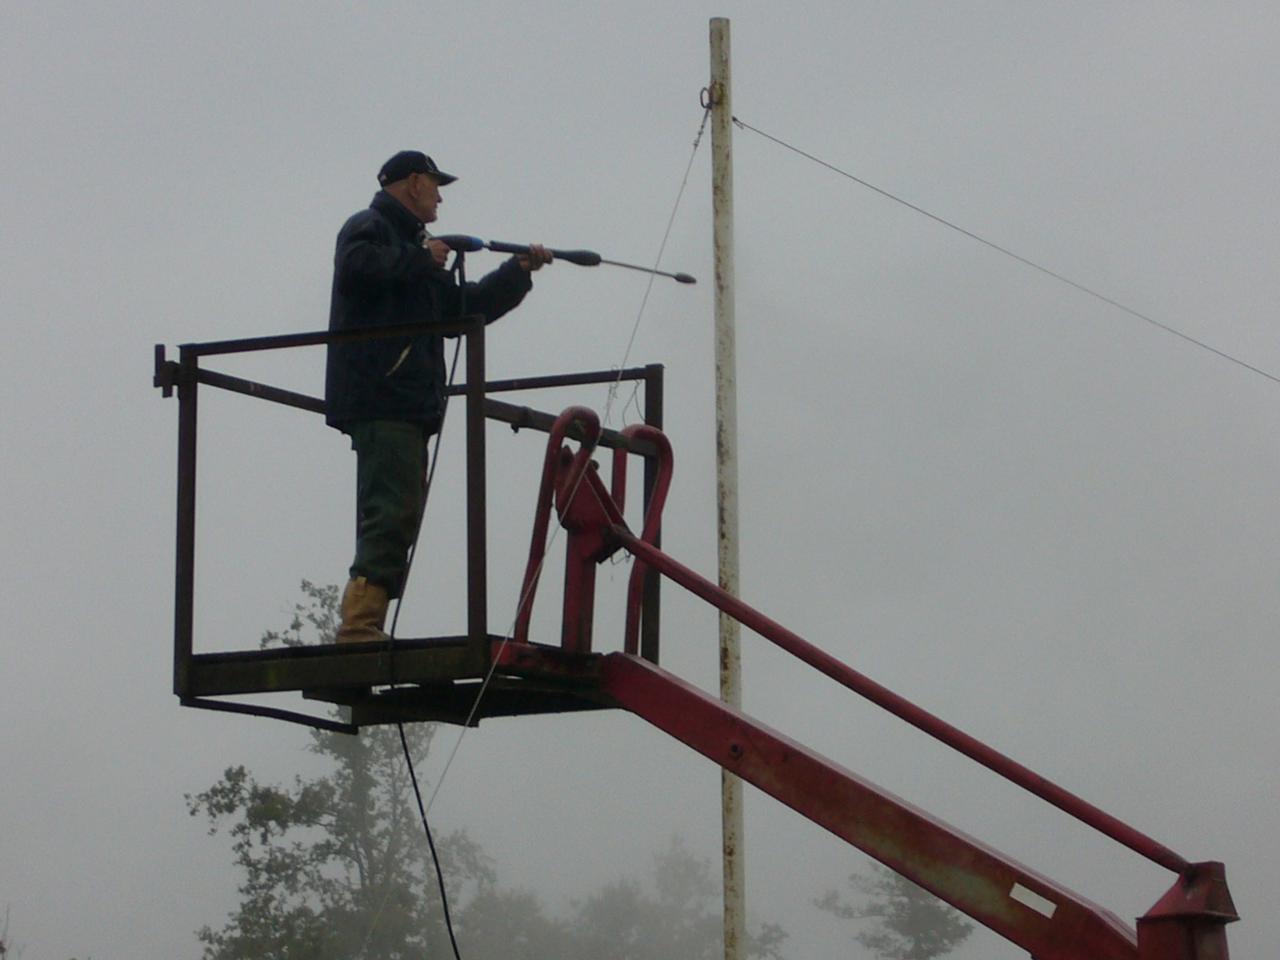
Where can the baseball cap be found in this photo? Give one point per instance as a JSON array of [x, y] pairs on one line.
[[411, 161]]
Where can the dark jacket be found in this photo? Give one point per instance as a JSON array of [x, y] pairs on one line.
[[382, 275]]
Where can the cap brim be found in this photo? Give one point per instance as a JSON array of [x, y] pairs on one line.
[[444, 178]]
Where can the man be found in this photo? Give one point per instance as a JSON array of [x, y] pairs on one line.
[[388, 394]]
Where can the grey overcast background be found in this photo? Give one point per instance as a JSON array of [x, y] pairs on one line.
[[1049, 522]]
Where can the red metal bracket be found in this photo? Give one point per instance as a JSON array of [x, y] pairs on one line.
[[587, 511], [1189, 922], [591, 515]]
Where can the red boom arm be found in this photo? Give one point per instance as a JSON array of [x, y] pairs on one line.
[[1048, 920]]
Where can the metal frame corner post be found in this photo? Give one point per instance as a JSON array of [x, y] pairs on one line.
[[650, 618], [185, 549], [477, 534], [727, 467]]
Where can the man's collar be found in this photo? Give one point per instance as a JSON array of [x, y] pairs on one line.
[[401, 217]]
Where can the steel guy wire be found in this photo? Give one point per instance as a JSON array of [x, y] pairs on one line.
[[1009, 253], [635, 327], [613, 390]]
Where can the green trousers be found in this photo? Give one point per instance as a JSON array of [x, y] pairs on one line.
[[391, 475]]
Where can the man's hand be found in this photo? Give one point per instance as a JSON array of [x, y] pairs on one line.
[[535, 258], [439, 252]]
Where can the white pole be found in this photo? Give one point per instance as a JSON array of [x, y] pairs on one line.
[[727, 471]]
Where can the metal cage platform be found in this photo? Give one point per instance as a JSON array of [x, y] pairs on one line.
[[430, 678]]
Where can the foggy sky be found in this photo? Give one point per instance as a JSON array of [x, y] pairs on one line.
[[1039, 517]]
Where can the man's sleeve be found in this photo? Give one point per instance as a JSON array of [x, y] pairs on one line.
[[496, 294]]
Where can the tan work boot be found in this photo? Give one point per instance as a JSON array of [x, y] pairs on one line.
[[364, 611]]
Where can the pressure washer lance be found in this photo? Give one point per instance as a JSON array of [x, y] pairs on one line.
[[583, 258]]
